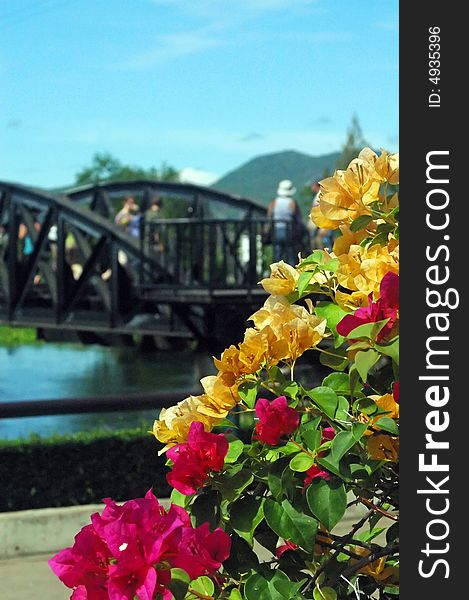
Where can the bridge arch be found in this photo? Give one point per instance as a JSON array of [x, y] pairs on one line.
[[64, 264]]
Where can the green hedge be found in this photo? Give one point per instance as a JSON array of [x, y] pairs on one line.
[[80, 469]]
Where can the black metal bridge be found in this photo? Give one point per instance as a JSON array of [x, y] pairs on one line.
[[65, 265]]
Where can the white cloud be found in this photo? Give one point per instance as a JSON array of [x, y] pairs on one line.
[[197, 176], [169, 47]]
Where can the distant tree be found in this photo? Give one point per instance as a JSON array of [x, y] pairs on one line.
[[354, 143], [105, 167]]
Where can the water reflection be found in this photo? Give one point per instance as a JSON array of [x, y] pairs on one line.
[[67, 370]]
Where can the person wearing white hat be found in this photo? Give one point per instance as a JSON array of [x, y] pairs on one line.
[[282, 212]]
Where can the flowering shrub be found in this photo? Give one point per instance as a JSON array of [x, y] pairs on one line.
[[267, 515]]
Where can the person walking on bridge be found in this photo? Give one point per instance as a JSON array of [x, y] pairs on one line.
[[282, 212], [124, 216]]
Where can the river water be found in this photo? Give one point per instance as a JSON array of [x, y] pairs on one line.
[[49, 371]]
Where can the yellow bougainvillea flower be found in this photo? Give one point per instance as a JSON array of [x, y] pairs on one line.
[[218, 399], [230, 367], [320, 220], [282, 281], [377, 569], [347, 239], [346, 196], [292, 324], [359, 180], [173, 424], [385, 166], [383, 447], [385, 402], [350, 302], [302, 334], [362, 269], [253, 350]]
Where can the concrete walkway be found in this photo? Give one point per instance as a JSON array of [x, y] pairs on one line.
[[30, 578], [29, 538]]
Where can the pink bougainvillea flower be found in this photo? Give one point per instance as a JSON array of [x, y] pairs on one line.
[[314, 472], [85, 565], [328, 434], [193, 461], [284, 547], [201, 552], [276, 419], [386, 307], [396, 391], [127, 551]]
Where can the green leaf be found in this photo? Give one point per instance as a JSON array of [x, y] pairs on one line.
[[367, 406], [202, 585], [206, 508], [235, 448], [327, 500], [235, 594], [312, 438], [276, 478], [277, 587], [234, 482], [248, 392], [326, 399], [339, 382], [301, 462], [385, 228], [245, 515], [342, 412], [242, 559], [338, 361], [179, 583], [331, 265], [380, 238], [360, 345], [354, 377], [179, 499], [289, 448], [291, 389], [290, 523], [308, 423], [364, 361], [360, 223], [367, 330], [392, 590], [387, 424], [303, 281], [367, 536], [345, 440], [325, 593], [316, 257], [391, 349], [333, 314]]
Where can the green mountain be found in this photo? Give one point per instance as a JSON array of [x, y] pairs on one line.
[[259, 177]]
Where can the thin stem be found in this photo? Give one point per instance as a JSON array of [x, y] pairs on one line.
[[302, 449], [330, 353], [375, 508], [199, 594], [389, 549], [344, 543]]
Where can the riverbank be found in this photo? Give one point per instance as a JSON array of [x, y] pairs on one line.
[[15, 336]]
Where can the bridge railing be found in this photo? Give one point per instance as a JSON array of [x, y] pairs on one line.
[[214, 254]]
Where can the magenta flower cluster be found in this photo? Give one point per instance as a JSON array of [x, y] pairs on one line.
[[128, 550]]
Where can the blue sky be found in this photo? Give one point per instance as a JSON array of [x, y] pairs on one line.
[[205, 84]]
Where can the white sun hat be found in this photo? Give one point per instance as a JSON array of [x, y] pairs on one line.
[[286, 188]]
